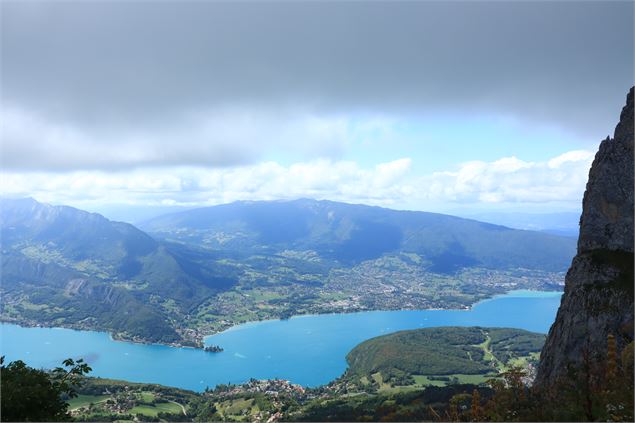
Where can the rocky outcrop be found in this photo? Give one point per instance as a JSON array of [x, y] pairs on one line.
[[598, 295]]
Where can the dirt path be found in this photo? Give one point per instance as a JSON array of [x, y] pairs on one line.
[[180, 405]]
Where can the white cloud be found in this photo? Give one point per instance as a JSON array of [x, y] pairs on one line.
[[508, 180], [339, 180], [572, 157], [511, 180]]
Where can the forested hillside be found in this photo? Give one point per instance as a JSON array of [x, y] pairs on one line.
[[440, 355], [65, 266], [351, 233], [205, 270]]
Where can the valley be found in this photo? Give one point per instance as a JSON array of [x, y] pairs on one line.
[[317, 211], [202, 271]]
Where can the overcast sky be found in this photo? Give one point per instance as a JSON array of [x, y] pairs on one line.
[[419, 105]]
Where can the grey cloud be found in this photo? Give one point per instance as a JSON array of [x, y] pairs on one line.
[[126, 67], [221, 138]]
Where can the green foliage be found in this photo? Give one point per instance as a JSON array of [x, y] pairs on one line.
[[204, 410], [173, 417], [243, 262], [97, 386], [433, 403], [66, 380], [121, 400], [595, 390], [34, 395], [440, 351], [512, 400], [72, 266], [508, 343]]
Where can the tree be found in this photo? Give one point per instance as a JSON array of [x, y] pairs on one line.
[[512, 400], [67, 380], [204, 410], [476, 410], [29, 394], [599, 388], [611, 362], [458, 403]]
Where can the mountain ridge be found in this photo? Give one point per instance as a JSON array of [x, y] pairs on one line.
[[84, 264], [357, 232], [67, 267]]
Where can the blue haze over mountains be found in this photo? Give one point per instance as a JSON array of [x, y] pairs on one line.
[[565, 223], [110, 274], [352, 233], [557, 223]]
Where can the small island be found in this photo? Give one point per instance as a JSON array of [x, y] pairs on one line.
[[213, 349]]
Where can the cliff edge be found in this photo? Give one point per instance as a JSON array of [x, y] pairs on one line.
[[598, 294]]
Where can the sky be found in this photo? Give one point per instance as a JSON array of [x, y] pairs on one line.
[[420, 105]]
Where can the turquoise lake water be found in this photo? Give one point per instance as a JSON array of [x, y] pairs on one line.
[[309, 350]]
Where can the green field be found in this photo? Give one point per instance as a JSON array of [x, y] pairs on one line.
[[235, 406], [154, 410], [238, 409], [523, 361], [422, 380], [147, 396], [85, 400]]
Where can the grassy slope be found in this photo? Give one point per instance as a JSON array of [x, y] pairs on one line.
[[85, 400]]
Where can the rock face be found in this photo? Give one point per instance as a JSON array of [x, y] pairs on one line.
[[598, 295]]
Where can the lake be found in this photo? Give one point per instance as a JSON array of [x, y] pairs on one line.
[[308, 350]]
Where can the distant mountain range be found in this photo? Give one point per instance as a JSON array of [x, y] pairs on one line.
[[202, 270], [352, 233]]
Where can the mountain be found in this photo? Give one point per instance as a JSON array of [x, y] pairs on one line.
[[557, 223], [205, 270], [135, 213], [66, 266], [598, 297], [350, 234]]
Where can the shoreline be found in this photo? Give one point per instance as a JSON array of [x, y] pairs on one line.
[[205, 335], [115, 337], [466, 308], [93, 343]]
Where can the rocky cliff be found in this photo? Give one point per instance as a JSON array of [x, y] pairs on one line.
[[598, 295]]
